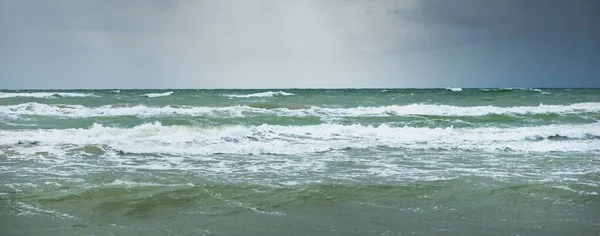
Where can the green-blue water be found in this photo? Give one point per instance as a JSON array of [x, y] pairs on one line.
[[300, 162]]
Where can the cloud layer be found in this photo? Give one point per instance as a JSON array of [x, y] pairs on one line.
[[298, 43]]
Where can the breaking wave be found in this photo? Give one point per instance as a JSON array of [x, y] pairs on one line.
[[79, 111], [264, 94], [153, 95], [45, 95], [506, 90], [288, 140], [455, 89]]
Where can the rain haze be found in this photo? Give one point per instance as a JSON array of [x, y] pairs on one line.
[[64, 44]]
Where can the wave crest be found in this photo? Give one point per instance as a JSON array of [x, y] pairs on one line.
[[274, 139], [153, 95], [263, 94], [455, 89], [79, 111], [45, 95]]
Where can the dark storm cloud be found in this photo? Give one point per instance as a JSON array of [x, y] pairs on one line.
[[298, 43]]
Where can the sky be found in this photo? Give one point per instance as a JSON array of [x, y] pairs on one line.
[[94, 44]]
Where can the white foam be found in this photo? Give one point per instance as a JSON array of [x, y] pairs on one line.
[[129, 183], [263, 94], [243, 205], [273, 139], [154, 95], [455, 89], [27, 209], [516, 89], [78, 111], [17, 124], [567, 188], [44, 94]]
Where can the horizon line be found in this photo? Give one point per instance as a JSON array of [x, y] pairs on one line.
[[294, 88]]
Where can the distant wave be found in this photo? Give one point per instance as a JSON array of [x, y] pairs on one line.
[[455, 89], [264, 94], [45, 95], [153, 95], [79, 111], [504, 90], [274, 139]]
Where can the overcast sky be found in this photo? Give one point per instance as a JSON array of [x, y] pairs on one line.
[[298, 43]]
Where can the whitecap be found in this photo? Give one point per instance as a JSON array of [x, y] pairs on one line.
[[153, 95], [515, 89], [79, 111], [455, 89], [264, 94], [289, 140], [44, 94]]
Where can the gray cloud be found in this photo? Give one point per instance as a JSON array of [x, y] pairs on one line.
[[298, 43]]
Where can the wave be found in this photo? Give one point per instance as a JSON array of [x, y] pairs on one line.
[[79, 111], [264, 94], [288, 140], [455, 89], [45, 95], [505, 90], [153, 95]]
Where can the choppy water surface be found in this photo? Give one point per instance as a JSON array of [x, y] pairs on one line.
[[300, 162]]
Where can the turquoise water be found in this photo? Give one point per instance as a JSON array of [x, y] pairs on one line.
[[300, 162]]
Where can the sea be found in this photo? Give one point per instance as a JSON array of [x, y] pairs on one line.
[[448, 161]]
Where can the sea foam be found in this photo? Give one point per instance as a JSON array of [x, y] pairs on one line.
[[153, 95], [273, 139], [263, 94], [79, 111], [45, 95]]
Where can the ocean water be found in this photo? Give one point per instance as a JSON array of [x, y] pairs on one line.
[[300, 162]]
